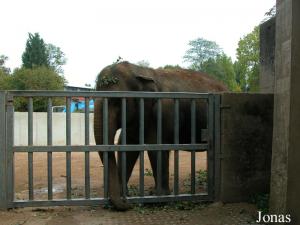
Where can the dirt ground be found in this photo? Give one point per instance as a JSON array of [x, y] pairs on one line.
[[96, 174], [178, 213], [215, 214]]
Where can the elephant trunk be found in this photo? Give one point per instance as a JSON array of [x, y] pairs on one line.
[[114, 185]]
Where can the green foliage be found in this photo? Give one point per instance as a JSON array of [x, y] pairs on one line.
[[4, 80], [247, 64], [56, 58], [143, 63], [35, 52], [166, 67], [39, 78], [222, 69], [107, 81], [200, 179], [262, 202], [133, 190], [148, 172], [4, 73], [200, 51], [270, 14], [4, 69]]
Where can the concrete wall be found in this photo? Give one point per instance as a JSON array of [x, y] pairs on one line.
[[59, 128], [267, 56], [285, 182], [246, 145]]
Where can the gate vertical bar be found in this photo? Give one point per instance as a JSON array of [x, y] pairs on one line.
[[159, 153], [193, 141], [217, 147], [10, 190], [87, 142], [3, 173], [68, 142], [105, 142], [30, 143], [142, 141], [49, 143], [210, 151], [123, 163], [176, 141]]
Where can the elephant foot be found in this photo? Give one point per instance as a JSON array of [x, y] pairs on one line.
[[120, 204]]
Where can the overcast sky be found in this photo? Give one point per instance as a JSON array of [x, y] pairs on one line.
[[93, 33]]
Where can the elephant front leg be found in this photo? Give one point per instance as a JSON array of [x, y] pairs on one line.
[[164, 174], [114, 184]]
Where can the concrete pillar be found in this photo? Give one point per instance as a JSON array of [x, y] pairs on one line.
[[285, 178], [267, 56]]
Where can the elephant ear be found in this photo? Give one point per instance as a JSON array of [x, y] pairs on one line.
[[147, 83]]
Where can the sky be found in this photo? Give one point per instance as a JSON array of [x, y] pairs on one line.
[[94, 33]]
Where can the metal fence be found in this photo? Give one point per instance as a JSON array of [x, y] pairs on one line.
[[8, 149]]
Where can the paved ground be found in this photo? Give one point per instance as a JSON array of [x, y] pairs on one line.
[[215, 214]]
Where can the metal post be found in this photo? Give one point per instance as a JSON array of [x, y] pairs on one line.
[[176, 141], [49, 143], [217, 148], [10, 190], [105, 142], [142, 141], [3, 173], [210, 151], [87, 142], [68, 142], [193, 141], [159, 153], [123, 161], [30, 143]]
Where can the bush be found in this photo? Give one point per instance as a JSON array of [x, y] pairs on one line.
[[39, 78]]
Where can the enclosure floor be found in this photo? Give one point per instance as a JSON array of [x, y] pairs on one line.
[[96, 175], [216, 214]]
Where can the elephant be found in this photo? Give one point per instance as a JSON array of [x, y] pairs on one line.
[[124, 76]]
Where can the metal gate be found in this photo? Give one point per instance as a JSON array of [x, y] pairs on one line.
[[8, 148]]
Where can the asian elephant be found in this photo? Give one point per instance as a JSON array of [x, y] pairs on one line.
[[125, 76]]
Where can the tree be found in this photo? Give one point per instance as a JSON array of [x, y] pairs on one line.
[[247, 64], [55, 58], [166, 67], [35, 52], [270, 14], [4, 69], [38, 78], [222, 69], [143, 63], [4, 73], [38, 53], [200, 51]]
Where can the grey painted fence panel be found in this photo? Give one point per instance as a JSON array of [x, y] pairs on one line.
[[43, 135]]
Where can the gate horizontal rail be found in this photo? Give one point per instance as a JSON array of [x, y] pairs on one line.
[[110, 148], [8, 149], [111, 94]]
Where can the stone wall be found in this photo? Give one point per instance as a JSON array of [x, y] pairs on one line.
[[58, 127], [267, 56], [285, 182], [246, 145]]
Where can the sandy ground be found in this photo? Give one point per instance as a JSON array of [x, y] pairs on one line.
[[96, 173], [215, 214]]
